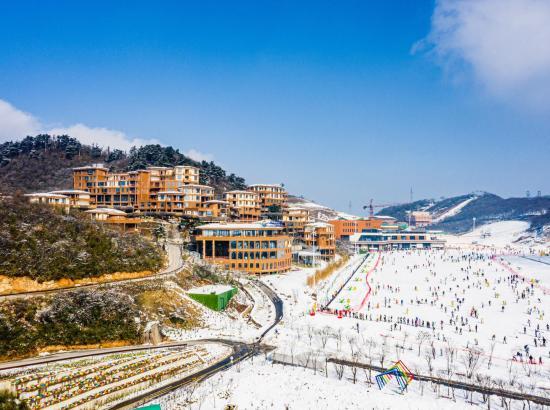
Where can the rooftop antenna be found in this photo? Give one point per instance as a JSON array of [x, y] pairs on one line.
[[349, 206], [411, 194]]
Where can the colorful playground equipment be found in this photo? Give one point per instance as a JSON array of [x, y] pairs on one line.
[[399, 372]]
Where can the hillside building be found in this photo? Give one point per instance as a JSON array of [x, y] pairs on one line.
[[345, 228], [51, 199], [386, 240], [155, 189], [270, 196], [256, 247], [420, 218], [77, 198], [320, 237], [113, 216], [244, 205], [295, 220]]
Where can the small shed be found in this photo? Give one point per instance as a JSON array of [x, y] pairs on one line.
[[215, 297]]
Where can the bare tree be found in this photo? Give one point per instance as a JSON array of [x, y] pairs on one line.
[[310, 334], [369, 346], [355, 361], [471, 360], [490, 361], [352, 341], [339, 335], [421, 338], [383, 351], [404, 341], [450, 356], [305, 358], [429, 360], [339, 370], [292, 346], [315, 360], [485, 382], [324, 336], [527, 368]]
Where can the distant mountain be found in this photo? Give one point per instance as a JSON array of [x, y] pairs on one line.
[[455, 214], [44, 163]]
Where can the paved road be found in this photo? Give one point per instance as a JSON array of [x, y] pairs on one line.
[[241, 351], [175, 264]]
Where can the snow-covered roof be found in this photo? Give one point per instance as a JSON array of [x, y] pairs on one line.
[[198, 186], [240, 191], [267, 185], [107, 211], [70, 192], [46, 195], [297, 208], [209, 289], [347, 217], [240, 225], [312, 205], [216, 201], [93, 166], [318, 225], [383, 217]]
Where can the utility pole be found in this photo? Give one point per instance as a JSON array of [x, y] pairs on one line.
[[313, 264]]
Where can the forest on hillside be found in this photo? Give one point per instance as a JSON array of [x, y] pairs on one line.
[[45, 162], [78, 317], [44, 244]]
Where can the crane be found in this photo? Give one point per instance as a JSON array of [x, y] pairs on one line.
[[371, 206]]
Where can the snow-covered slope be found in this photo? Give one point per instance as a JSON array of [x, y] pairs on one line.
[[455, 210]]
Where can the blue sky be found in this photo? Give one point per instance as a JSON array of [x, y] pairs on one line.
[[341, 101]]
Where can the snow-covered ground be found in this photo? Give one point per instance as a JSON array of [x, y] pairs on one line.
[[476, 312], [455, 210], [261, 385], [217, 324]]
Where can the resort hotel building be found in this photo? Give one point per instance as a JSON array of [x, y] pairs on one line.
[[254, 247]]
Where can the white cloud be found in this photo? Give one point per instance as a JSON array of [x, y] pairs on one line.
[[198, 156], [505, 44], [104, 137], [15, 123]]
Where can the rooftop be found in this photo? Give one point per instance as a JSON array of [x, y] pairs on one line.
[[241, 225], [46, 195], [107, 211], [69, 191], [267, 185], [240, 191]]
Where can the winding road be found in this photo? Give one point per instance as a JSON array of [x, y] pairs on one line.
[[175, 264], [241, 351]]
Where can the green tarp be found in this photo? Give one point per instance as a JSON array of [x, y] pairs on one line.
[[212, 300]]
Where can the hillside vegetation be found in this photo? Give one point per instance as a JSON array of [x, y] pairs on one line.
[[41, 243], [79, 317], [44, 163]]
